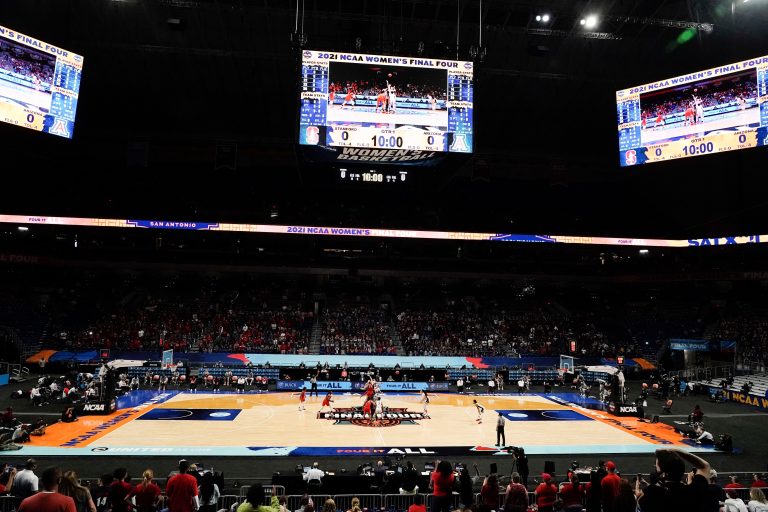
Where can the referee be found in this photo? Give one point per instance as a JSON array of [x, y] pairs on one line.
[[500, 431], [313, 384]]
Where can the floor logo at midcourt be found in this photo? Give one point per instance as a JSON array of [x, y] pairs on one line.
[[391, 417]]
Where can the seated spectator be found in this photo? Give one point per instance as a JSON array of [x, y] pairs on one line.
[[733, 503], [735, 483], [668, 407], [757, 501], [21, 434]]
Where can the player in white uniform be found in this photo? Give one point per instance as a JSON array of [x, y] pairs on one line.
[[425, 400], [742, 102], [699, 109], [432, 101], [392, 97], [480, 411]]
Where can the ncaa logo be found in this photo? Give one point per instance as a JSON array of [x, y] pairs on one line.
[[307, 54], [620, 94], [630, 157], [467, 65], [313, 135]]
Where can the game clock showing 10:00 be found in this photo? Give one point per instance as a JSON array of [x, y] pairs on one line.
[[377, 138]]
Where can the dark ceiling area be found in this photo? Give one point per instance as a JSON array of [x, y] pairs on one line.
[[166, 83]]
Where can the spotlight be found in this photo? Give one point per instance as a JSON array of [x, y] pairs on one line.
[[542, 18], [589, 22]]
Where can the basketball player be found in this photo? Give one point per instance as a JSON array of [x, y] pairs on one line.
[[392, 97], [432, 101], [425, 400], [349, 98], [327, 402], [378, 410], [192, 384], [480, 411], [659, 120], [741, 102], [699, 109], [331, 96], [381, 101], [368, 408], [689, 115], [644, 123], [303, 398]]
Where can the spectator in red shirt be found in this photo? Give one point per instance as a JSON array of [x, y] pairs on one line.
[[441, 483], [49, 500], [610, 487], [546, 493], [147, 493], [119, 489], [734, 483], [418, 504], [516, 499], [182, 490], [489, 493], [758, 481], [572, 494]]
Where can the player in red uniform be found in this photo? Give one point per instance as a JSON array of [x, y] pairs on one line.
[[381, 101], [689, 116], [327, 402], [659, 120], [367, 408], [302, 399], [331, 96], [644, 124], [349, 98]]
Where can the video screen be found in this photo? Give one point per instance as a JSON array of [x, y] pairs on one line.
[[39, 84], [720, 109], [386, 103]]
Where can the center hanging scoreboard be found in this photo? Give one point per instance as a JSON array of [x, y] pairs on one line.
[[711, 111], [386, 106], [39, 84]]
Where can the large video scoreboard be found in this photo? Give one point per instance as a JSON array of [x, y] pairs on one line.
[[386, 105], [39, 84], [710, 111]]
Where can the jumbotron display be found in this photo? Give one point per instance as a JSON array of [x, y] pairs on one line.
[[711, 111], [39, 84], [386, 103]]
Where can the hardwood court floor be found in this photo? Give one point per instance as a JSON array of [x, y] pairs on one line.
[[233, 424]]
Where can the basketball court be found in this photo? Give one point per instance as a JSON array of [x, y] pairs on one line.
[[270, 424]]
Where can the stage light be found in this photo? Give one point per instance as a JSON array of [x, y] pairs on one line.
[[643, 251], [589, 22], [23, 228], [542, 18]]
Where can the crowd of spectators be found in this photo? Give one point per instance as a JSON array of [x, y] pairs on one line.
[[749, 331], [31, 66], [356, 329], [408, 90], [600, 489], [710, 96]]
